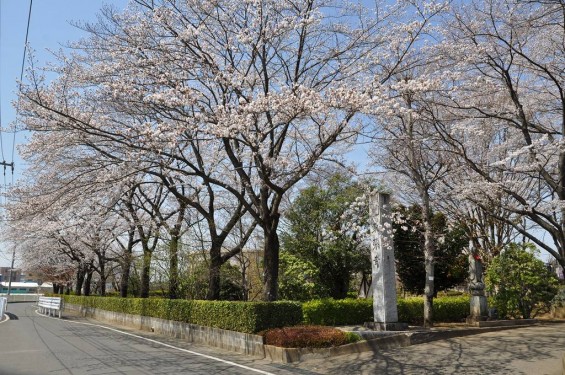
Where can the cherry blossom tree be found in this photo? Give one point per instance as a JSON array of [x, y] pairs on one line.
[[245, 95], [413, 153], [504, 112]]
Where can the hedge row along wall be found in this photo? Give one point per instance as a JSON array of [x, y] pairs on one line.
[[357, 311], [253, 317], [247, 317]]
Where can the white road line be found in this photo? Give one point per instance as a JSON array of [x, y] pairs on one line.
[[166, 345]]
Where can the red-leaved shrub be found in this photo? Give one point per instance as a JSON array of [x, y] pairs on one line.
[[308, 337]]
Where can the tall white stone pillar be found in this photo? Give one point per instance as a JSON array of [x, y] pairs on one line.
[[383, 265]]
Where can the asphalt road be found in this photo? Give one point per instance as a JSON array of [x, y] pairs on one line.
[[32, 344]]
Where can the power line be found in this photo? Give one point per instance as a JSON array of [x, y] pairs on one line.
[[20, 85], [1, 141], [3, 162], [11, 164]]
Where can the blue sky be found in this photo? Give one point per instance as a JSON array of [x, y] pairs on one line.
[[50, 29]]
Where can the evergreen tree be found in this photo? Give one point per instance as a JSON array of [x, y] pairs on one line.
[[450, 259], [315, 235]]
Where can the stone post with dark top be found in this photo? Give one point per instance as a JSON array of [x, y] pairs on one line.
[[478, 304]]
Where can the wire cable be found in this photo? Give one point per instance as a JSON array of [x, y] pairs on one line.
[[21, 80], [1, 141]]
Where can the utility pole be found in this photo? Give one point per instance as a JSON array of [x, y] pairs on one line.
[[5, 164], [11, 272], [11, 165]]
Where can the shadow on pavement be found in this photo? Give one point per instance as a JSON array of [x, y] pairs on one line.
[[522, 352], [12, 316]]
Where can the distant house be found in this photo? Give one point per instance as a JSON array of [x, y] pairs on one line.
[[19, 287], [5, 274]]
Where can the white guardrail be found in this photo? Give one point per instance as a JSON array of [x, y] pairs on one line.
[[3, 304], [50, 305]]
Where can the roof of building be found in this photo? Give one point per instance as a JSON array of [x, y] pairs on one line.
[[19, 284]]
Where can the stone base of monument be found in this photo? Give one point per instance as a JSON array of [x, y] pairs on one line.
[[380, 326]]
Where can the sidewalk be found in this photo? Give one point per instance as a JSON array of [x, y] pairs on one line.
[[537, 349], [377, 341]]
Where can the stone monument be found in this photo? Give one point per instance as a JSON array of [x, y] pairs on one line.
[[383, 266], [479, 308]]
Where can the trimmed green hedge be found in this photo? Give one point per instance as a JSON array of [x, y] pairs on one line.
[[451, 309], [252, 317], [330, 312], [411, 310], [248, 317], [446, 309], [358, 311]]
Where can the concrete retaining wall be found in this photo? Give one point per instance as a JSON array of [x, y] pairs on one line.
[[22, 297], [289, 355], [253, 344], [234, 341]]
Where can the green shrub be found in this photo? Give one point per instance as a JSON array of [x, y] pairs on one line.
[[446, 309], [332, 312], [248, 317], [358, 311], [352, 337], [450, 293], [559, 299], [521, 284], [308, 337], [451, 309], [411, 310]]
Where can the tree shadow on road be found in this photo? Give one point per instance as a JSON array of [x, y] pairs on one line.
[[520, 352]]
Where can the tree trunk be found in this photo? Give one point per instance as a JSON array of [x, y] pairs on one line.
[[271, 262], [145, 274], [214, 272], [561, 195], [102, 285], [80, 280], [103, 276], [88, 282], [428, 263], [124, 281], [244, 279], [174, 267], [126, 264], [429, 292]]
